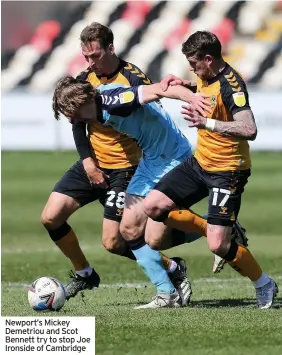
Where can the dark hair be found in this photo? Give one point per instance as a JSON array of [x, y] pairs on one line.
[[70, 94], [201, 43], [97, 32]]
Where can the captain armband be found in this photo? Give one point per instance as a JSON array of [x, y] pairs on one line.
[[210, 124]]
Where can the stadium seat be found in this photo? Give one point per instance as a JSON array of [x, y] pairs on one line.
[[101, 9], [136, 12], [169, 64], [224, 31], [252, 16], [202, 15], [76, 65], [253, 53], [272, 78], [149, 33], [210, 15], [132, 18], [123, 31], [157, 33], [21, 64], [45, 33], [58, 63], [177, 34]]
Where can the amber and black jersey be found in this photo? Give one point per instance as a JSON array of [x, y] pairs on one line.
[[111, 149], [228, 95]]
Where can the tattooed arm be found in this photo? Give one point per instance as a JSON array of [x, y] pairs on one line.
[[243, 126]]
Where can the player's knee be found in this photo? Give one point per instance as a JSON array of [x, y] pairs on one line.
[[152, 211], [157, 214], [218, 246], [129, 231], [157, 208], [57, 210], [49, 220], [113, 244], [153, 243], [218, 239], [152, 239], [152, 208]]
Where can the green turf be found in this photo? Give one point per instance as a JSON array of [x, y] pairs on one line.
[[222, 317]]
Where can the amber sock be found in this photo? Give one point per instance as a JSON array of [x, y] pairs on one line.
[[187, 221], [70, 247], [241, 260]]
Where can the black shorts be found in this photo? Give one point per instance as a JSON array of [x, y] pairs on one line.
[[188, 183], [75, 183]]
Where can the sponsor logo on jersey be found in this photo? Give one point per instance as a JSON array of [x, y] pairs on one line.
[[126, 97], [239, 99]]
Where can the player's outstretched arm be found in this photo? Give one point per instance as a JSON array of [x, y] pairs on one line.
[[154, 92], [243, 125], [172, 80]]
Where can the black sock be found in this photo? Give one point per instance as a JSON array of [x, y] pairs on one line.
[[128, 254], [137, 243], [178, 238]]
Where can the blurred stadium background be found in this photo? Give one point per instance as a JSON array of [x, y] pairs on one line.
[[40, 44]]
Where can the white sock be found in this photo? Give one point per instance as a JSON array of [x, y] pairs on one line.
[[85, 272], [173, 266], [263, 280]]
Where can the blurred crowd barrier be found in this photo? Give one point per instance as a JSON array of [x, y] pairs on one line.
[[28, 122]]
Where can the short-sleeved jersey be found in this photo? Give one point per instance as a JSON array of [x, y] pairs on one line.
[[112, 149], [215, 151], [149, 124]]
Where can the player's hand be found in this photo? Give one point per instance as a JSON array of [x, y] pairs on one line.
[[200, 103], [96, 176], [172, 80], [194, 117]]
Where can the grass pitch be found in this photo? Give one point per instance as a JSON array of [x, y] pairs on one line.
[[222, 317]]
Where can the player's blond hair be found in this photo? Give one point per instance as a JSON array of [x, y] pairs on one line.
[[71, 94]]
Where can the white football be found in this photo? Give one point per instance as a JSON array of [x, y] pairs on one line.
[[46, 294]]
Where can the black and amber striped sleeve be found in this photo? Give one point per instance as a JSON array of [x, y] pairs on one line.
[[135, 75], [234, 92]]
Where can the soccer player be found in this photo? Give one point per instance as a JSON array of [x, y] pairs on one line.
[[221, 165], [108, 160], [129, 111]]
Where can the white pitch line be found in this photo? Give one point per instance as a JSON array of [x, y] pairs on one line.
[[118, 285], [211, 280]]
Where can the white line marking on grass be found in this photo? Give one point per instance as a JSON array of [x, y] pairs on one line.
[[220, 282], [118, 285]]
